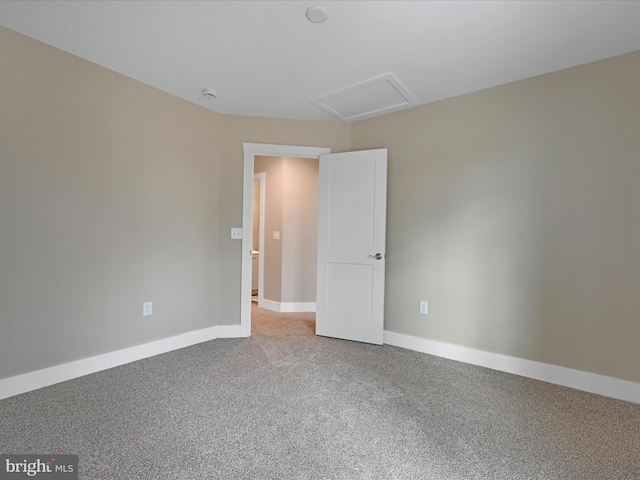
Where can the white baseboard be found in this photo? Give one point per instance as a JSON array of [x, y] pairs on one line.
[[287, 307], [230, 331], [48, 376], [269, 304], [589, 382], [568, 377], [297, 307]]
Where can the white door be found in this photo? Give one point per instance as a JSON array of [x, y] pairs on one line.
[[352, 214]]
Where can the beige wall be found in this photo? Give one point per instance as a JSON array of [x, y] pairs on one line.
[[108, 198], [274, 191], [300, 230], [514, 212]]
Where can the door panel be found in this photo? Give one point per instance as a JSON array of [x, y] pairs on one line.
[[351, 204], [349, 288], [351, 231]]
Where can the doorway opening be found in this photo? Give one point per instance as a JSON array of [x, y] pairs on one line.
[[251, 151], [284, 257]]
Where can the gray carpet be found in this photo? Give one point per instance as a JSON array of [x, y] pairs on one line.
[[285, 404]]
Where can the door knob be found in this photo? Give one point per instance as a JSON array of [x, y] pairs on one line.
[[377, 256]]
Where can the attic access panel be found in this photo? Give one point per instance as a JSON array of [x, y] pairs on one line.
[[370, 98]]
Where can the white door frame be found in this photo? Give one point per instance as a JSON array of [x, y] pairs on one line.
[[250, 151]]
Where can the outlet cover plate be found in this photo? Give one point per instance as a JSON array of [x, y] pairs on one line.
[[147, 309], [236, 233], [424, 307]]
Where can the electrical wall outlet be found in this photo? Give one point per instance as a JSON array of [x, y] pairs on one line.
[[276, 235], [236, 233], [424, 307], [147, 309]]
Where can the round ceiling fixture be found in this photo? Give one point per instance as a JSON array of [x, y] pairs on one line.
[[317, 14], [210, 93]]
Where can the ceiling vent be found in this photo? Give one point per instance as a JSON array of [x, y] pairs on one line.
[[370, 98]]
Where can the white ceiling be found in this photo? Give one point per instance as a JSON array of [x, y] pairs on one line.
[[264, 58]]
